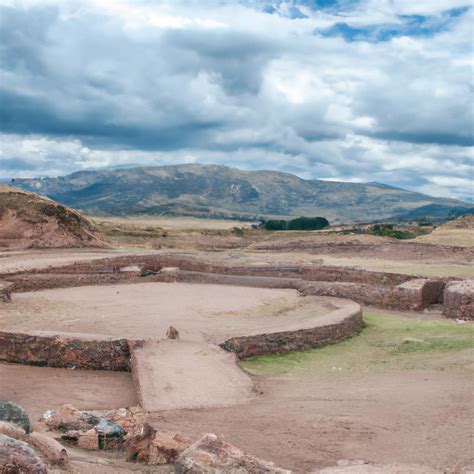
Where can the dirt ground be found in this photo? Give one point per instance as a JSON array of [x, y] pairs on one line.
[[38, 389], [199, 311], [304, 423]]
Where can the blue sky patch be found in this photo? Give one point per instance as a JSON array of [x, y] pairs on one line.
[[409, 25]]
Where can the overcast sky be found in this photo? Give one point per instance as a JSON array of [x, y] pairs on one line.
[[352, 90]]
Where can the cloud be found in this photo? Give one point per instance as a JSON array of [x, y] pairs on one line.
[[277, 84]]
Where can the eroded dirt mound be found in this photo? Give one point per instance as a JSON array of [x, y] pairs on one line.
[[30, 221]]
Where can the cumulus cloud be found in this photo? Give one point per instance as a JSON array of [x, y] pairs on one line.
[[254, 84]]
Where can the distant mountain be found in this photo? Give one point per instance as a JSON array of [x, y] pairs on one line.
[[437, 213], [219, 191]]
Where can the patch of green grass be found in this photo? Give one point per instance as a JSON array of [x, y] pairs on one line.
[[386, 343]]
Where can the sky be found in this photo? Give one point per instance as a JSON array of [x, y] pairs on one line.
[[347, 90]]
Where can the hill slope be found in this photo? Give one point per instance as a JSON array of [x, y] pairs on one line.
[[219, 191], [28, 220]]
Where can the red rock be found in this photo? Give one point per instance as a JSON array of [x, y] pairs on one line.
[[155, 447]]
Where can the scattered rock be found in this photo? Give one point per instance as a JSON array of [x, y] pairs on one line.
[[11, 430], [129, 419], [155, 447], [172, 333], [211, 454], [53, 451], [17, 457], [69, 418], [13, 413]]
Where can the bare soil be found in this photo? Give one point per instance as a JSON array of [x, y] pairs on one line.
[[304, 423], [145, 310], [38, 389]]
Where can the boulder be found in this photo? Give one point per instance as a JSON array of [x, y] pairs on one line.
[[17, 457], [211, 454], [172, 333], [53, 451], [154, 447], [13, 413]]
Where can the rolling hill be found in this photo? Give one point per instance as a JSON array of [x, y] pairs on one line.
[[219, 191], [31, 221]]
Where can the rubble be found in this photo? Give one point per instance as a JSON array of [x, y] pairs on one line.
[[211, 454], [69, 418], [153, 447]]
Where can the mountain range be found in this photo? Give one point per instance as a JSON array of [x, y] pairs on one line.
[[223, 192]]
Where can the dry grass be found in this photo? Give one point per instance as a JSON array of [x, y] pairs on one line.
[[171, 223]]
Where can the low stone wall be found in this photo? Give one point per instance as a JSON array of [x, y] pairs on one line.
[[413, 295], [459, 300], [65, 352], [346, 326], [315, 272]]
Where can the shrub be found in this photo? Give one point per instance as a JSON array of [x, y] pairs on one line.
[[308, 223], [275, 225]]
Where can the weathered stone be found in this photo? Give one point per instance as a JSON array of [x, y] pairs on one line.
[[69, 418], [458, 300], [129, 419], [88, 440], [13, 413], [17, 457], [211, 454], [155, 447], [12, 430], [172, 333], [110, 435], [53, 451], [66, 352]]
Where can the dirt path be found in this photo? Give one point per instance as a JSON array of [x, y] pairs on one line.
[[184, 374]]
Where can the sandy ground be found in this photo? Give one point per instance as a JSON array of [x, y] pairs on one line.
[[145, 310], [38, 389], [304, 423]]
